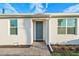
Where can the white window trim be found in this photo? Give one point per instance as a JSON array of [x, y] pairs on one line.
[[67, 26], [9, 27], [12, 27]]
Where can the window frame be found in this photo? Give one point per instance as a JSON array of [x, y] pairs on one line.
[[67, 26], [15, 27]]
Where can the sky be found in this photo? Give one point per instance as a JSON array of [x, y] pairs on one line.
[[39, 7]]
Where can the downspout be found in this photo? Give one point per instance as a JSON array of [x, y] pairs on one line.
[[49, 44]]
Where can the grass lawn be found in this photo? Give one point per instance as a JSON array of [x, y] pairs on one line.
[[65, 54]]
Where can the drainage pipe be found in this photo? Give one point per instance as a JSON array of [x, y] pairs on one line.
[[49, 45], [50, 48]]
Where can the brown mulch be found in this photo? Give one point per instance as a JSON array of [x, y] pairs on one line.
[[65, 48]]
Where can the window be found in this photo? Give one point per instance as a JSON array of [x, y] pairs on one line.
[[61, 26], [67, 26], [13, 26]]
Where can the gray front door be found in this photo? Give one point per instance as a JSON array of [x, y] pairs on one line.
[[39, 30]]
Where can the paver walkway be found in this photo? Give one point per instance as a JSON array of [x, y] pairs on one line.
[[38, 49]]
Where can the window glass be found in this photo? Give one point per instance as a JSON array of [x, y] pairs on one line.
[[71, 22], [13, 27], [13, 30], [13, 23], [71, 30], [61, 30], [62, 22]]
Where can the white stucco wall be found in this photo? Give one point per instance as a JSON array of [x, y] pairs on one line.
[[24, 37], [5, 37], [62, 38], [25, 31]]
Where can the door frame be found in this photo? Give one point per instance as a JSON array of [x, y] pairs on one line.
[[34, 29], [45, 29]]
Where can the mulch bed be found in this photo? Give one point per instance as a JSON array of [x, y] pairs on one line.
[[65, 48]]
